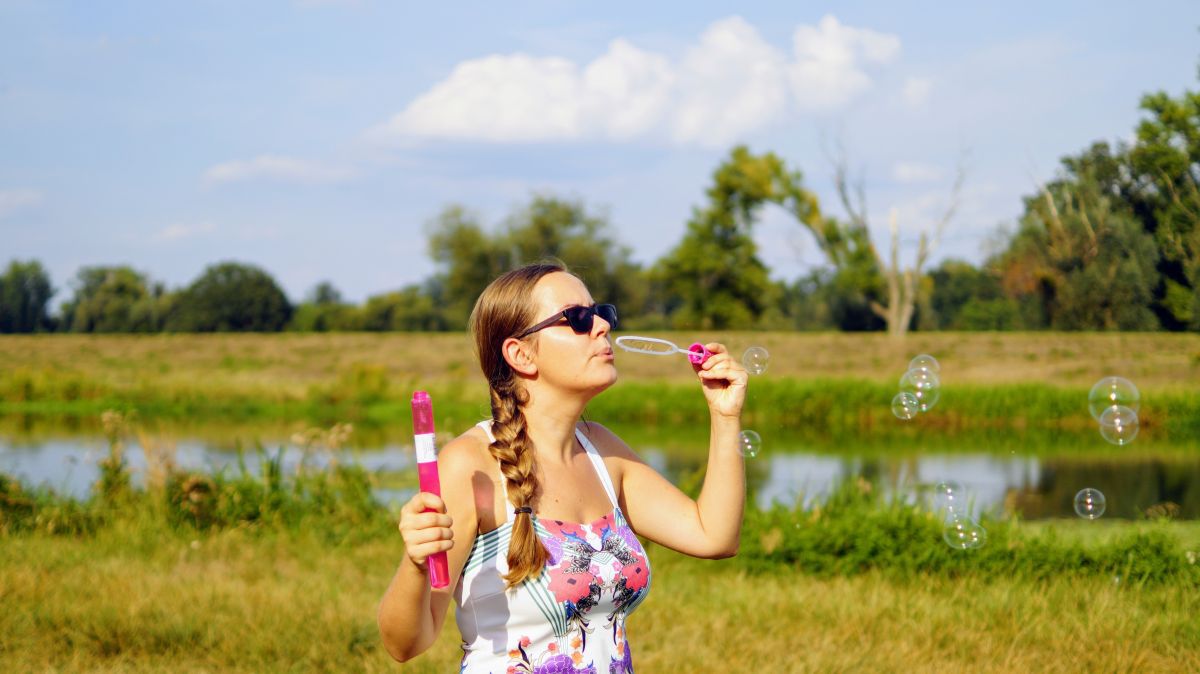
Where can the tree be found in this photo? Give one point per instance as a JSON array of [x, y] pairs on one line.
[[231, 297], [114, 299], [469, 259], [322, 311], [965, 297], [1164, 172], [410, 308], [548, 228], [25, 291], [713, 278], [1080, 259], [902, 283]]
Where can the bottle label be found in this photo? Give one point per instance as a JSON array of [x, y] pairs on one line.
[[426, 451]]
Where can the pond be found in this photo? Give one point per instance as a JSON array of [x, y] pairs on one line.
[[1035, 474]]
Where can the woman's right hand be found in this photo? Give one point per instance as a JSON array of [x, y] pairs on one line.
[[425, 532]]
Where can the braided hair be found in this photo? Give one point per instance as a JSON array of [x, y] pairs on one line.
[[503, 310]]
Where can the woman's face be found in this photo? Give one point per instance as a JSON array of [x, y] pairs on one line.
[[566, 359]]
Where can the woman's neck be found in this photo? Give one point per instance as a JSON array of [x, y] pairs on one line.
[[550, 421]]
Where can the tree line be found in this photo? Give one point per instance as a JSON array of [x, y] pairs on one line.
[[1111, 243]]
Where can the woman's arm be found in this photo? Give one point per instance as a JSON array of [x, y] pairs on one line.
[[411, 613], [711, 525]]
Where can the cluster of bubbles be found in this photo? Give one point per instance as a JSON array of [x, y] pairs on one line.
[[755, 360], [920, 388], [1114, 403], [1090, 503], [959, 529]]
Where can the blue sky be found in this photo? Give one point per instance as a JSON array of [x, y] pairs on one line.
[[317, 139]]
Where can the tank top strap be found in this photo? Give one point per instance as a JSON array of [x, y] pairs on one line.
[[486, 425], [598, 463]]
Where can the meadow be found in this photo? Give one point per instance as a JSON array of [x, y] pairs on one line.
[[265, 569]]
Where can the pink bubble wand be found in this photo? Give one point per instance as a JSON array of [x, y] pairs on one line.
[[654, 346]]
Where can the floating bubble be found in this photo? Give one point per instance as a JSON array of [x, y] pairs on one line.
[[925, 362], [1119, 425], [905, 406], [1113, 392], [924, 385], [963, 533], [949, 496], [749, 444], [1090, 503], [756, 359]]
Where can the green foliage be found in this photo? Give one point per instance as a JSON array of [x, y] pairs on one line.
[[411, 308], [1164, 187], [714, 279], [1080, 259], [231, 297], [115, 299], [324, 311], [965, 297], [856, 530], [42, 511], [548, 228], [25, 291]]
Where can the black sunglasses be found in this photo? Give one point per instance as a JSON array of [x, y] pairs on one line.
[[580, 318]]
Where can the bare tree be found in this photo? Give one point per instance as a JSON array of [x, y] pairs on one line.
[[903, 283]]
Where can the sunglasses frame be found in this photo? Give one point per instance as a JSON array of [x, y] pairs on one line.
[[589, 314]]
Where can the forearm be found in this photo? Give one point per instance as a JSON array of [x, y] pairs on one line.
[[723, 496], [406, 620]]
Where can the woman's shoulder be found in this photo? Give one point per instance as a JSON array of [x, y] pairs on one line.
[[608, 443], [467, 453]]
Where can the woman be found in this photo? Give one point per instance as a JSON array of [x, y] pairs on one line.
[[538, 510]]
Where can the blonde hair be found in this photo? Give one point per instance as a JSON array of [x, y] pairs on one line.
[[503, 310]]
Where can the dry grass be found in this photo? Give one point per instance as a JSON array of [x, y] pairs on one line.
[[288, 365], [238, 603]]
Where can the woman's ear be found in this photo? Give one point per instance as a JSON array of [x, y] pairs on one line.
[[519, 356]]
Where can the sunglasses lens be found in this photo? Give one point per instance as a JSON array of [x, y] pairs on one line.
[[580, 318], [609, 313]]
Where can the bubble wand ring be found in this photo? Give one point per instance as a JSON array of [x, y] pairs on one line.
[[654, 346]]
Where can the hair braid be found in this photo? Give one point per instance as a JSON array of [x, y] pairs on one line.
[[502, 311], [514, 451]]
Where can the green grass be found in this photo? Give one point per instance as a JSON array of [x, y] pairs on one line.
[[1006, 379], [248, 600]]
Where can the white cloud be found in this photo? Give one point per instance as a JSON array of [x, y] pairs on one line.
[[830, 57], [278, 168], [731, 83], [12, 201], [728, 84], [915, 172], [180, 230], [916, 91]]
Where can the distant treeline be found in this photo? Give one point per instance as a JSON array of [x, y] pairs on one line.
[[1112, 243]]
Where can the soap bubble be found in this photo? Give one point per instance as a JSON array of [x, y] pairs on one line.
[[925, 362], [1113, 392], [949, 496], [756, 359], [963, 533], [905, 406], [749, 444], [1119, 425], [924, 385], [1090, 503]]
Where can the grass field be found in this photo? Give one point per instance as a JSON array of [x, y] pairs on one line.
[[240, 602], [275, 578], [832, 382]]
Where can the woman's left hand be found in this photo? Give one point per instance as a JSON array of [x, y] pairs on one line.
[[724, 381]]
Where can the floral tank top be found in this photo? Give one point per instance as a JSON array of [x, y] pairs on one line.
[[571, 618]]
